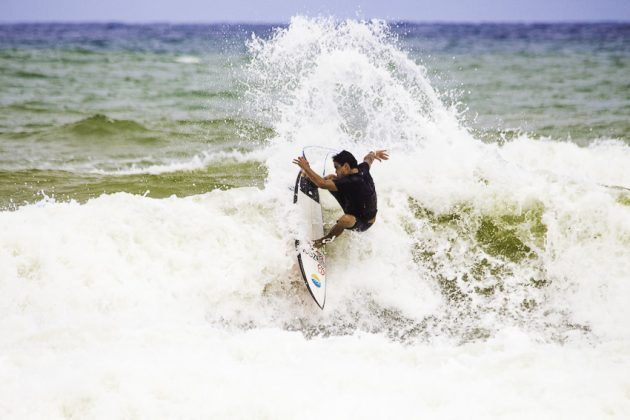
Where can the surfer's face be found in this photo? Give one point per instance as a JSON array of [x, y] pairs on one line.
[[341, 170]]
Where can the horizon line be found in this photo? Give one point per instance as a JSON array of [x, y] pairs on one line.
[[253, 22]]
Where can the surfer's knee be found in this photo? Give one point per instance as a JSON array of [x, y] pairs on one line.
[[347, 221]]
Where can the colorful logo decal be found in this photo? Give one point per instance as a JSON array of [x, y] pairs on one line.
[[316, 281]]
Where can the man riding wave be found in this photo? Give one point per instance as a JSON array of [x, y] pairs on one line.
[[352, 187]]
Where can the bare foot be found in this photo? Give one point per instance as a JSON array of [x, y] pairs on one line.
[[318, 243]]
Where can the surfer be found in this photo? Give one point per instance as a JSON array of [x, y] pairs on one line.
[[352, 186]]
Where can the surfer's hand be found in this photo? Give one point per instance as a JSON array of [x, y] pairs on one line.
[[381, 155], [301, 162]]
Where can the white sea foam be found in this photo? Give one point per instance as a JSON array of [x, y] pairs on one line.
[[495, 283], [188, 59], [197, 162]]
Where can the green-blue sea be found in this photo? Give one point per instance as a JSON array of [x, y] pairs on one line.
[[87, 109]]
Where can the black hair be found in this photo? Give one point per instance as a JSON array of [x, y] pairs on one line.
[[344, 157]]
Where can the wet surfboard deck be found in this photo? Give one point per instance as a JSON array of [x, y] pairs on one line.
[[310, 259]]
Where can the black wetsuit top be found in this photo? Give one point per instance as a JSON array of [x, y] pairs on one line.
[[357, 196]]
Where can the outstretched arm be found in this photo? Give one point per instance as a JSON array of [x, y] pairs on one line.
[[379, 155], [326, 183]]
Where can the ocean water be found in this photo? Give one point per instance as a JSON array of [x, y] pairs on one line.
[[147, 267]]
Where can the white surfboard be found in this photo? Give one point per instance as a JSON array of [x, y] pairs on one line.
[[311, 260]]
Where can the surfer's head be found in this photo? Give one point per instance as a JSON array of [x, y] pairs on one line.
[[344, 162]]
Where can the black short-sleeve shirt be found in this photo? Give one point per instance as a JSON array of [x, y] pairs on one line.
[[356, 193]]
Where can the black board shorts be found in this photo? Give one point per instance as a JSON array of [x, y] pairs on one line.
[[361, 225]]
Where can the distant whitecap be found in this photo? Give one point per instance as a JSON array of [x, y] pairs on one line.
[[188, 59]]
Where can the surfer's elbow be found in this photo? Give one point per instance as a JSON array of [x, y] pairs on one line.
[[326, 184]]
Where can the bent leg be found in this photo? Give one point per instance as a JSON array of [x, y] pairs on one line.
[[345, 222]]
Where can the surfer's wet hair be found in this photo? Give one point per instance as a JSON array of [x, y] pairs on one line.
[[344, 157]]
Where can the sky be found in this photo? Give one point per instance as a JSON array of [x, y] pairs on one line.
[[280, 11]]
